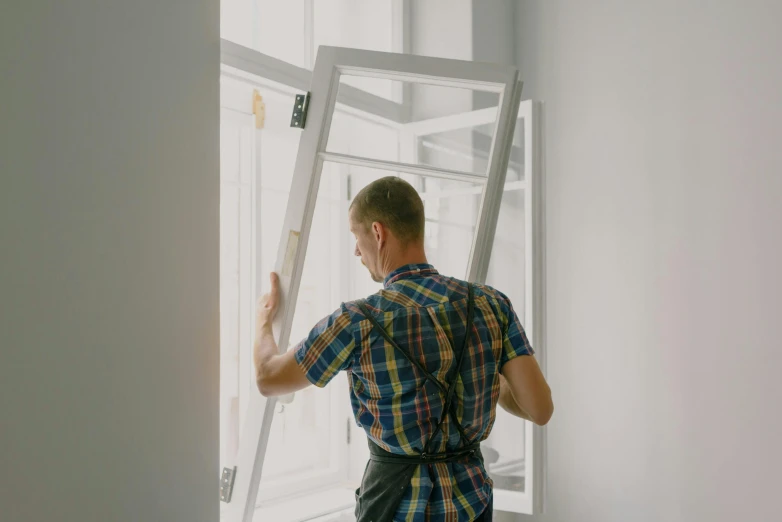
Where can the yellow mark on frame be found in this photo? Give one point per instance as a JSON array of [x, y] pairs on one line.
[[290, 253]]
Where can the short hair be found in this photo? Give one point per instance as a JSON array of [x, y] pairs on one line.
[[393, 202]]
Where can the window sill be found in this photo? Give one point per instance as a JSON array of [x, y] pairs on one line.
[[313, 506]]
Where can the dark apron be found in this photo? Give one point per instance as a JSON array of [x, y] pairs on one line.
[[388, 475]]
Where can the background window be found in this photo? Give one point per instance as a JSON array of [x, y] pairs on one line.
[[292, 30]]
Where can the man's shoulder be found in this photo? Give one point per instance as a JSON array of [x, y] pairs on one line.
[[491, 293], [381, 301], [460, 288], [438, 290]]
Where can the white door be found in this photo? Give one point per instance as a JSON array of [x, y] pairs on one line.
[[463, 203]]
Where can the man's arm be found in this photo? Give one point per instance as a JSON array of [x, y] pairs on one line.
[[275, 374], [524, 391], [507, 401]]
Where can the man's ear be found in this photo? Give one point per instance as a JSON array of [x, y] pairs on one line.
[[379, 231]]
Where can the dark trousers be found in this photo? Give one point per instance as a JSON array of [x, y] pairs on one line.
[[486, 516]]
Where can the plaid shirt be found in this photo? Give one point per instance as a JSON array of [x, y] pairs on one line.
[[425, 313]]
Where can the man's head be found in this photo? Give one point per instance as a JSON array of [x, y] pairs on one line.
[[387, 218]]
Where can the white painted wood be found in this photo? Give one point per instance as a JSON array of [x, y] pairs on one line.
[[296, 79], [309, 33], [492, 196], [424, 69], [407, 168], [402, 43], [531, 501], [330, 63], [452, 149]]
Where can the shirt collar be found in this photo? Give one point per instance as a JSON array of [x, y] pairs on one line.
[[408, 271]]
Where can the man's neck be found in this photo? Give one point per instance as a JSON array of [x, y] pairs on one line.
[[411, 258]]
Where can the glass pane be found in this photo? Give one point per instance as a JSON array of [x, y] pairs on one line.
[[272, 27], [359, 24], [504, 449], [305, 434], [461, 149], [482, 139], [451, 214], [507, 267], [468, 150], [360, 137], [451, 210], [302, 439], [503, 452]]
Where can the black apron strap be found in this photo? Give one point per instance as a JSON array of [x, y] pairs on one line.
[[388, 475], [378, 454], [382, 331], [447, 406]]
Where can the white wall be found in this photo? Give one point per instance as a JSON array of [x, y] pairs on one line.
[[664, 171], [109, 261], [440, 28]]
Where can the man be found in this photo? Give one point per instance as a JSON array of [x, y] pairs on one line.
[[428, 358]]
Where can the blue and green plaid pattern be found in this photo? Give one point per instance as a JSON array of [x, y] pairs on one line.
[[425, 313]]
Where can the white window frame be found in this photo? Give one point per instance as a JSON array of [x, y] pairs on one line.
[[531, 501]]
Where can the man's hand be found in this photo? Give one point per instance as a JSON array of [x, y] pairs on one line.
[[267, 306], [275, 374]]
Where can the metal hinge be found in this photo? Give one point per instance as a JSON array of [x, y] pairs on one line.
[[227, 484], [348, 430], [259, 109], [300, 107]]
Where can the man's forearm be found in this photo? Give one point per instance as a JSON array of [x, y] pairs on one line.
[[508, 403], [264, 350]]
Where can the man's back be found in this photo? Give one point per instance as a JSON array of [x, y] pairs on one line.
[[426, 314]]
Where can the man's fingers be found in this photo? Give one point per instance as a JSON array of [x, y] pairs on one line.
[[275, 290]]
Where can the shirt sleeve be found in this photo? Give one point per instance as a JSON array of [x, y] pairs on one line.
[[327, 349], [514, 339]]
